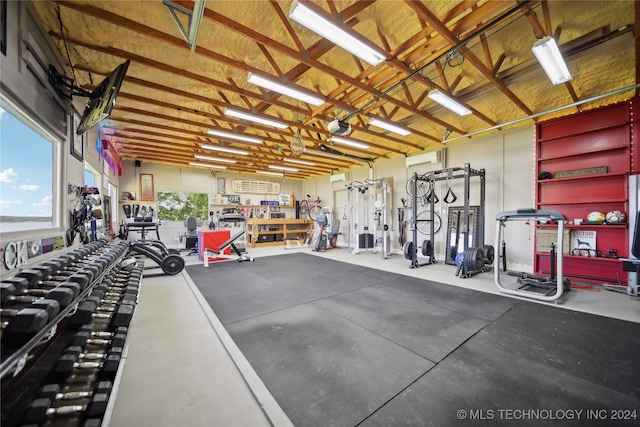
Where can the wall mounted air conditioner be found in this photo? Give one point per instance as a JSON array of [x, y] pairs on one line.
[[339, 177], [418, 159]]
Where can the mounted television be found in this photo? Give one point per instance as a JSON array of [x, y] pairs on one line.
[[103, 99]]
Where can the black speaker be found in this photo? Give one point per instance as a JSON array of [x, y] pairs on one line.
[[138, 163]]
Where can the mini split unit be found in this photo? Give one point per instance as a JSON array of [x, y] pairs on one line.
[[429, 157], [339, 127], [339, 177]]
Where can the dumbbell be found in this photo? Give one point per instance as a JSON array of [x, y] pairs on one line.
[[69, 362], [24, 325], [36, 278], [114, 296], [41, 408], [80, 354], [119, 316], [54, 391], [86, 336], [15, 291], [52, 307]]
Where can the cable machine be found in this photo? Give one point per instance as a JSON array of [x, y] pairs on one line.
[[380, 212]]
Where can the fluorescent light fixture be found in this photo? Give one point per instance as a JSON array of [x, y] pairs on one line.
[[224, 149], [299, 162], [236, 136], [449, 103], [254, 118], [284, 89], [213, 159], [389, 126], [206, 165], [304, 15], [270, 173], [283, 168], [322, 153], [548, 54], [349, 142]]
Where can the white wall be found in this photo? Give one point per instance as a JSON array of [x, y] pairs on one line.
[[507, 158], [196, 180]]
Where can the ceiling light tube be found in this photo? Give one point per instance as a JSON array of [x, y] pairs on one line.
[[270, 173], [449, 102], [254, 118], [213, 159], [224, 149], [549, 57], [283, 168], [284, 89], [206, 165], [322, 153], [389, 126], [304, 15], [299, 162], [349, 142], [236, 136]]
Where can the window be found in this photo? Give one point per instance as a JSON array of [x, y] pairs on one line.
[[26, 172], [91, 176]]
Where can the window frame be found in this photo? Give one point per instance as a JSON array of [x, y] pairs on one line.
[[56, 171]]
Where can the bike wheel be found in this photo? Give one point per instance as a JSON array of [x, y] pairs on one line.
[[423, 223], [423, 192], [304, 208], [314, 211]]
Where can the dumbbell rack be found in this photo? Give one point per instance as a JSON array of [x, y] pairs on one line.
[[51, 359]]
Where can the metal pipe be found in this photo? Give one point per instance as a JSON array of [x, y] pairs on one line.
[[552, 110]]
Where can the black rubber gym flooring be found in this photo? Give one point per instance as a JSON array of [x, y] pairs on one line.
[[343, 345]]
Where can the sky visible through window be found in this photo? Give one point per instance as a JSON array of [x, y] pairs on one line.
[[26, 171]]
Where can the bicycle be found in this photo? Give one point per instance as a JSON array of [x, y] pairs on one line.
[[423, 198], [310, 207]]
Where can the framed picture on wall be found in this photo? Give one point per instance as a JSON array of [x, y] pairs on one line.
[[76, 142], [146, 187], [220, 185]]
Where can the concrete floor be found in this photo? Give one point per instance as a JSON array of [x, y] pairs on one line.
[[181, 368]]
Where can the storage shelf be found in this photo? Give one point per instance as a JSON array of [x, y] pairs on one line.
[[287, 229], [584, 258], [585, 226], [591, 139], [576, 178], [593, 202], [583, 153]]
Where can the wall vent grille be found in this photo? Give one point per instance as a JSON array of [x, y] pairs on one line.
[[255, 187]]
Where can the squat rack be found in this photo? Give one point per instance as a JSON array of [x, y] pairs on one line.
[[465, 173]]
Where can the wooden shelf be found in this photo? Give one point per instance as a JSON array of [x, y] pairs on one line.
[[575, 178], [591, 139], [588, 226], [584, 258], [284, 229]]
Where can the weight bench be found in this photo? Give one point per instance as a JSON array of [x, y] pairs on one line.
[[218, 253]]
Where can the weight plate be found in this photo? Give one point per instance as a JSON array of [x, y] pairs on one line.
[[489, 254], [172, 264], [427, 248], [459, 259], [473, 261], [408, 250]]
